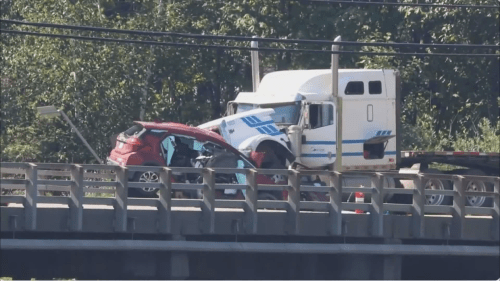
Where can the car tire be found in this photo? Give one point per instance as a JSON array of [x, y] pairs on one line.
[[269, 196], [273, 196], [148, 176]]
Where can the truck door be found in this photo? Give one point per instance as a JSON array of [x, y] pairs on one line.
[[318, 138]]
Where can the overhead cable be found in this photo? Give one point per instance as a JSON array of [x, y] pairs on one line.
[[431, 5], [225, 47], [248, 39]]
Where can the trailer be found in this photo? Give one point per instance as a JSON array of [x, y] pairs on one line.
[[461, 163], [487, 163]]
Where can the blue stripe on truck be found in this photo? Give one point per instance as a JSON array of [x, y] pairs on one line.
[[252, 123], [318, 155]]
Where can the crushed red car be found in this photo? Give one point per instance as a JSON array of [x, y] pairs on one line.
[[177, 145]]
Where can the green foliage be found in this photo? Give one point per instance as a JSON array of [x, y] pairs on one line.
[[103, 87], [485, 138]]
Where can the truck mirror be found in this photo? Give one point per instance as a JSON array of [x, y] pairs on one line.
[[307, 124]]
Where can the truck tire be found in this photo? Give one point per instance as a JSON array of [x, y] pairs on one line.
[[390, 182], [437, 200], [477, 201], [400, 198], [271, 161]]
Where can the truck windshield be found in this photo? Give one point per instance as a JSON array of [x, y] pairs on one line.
[[283, 114]]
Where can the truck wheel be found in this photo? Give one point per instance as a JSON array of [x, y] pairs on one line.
[[479, 186], [271, 161], [400, 198], [437, 184], [390, 182], [148, 176]]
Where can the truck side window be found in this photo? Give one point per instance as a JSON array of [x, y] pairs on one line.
[[320, 115], [375, 87], [355, 88]]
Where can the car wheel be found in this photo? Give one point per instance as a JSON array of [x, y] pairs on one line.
[[147, 176], [268, 196]]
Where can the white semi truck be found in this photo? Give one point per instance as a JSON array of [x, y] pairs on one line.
[[292, 117]]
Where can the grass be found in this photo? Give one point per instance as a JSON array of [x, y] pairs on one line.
[[444, 167]]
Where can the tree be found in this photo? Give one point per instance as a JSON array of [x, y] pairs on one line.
[[103, 87]]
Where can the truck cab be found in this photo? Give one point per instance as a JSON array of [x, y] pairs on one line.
[[303, 110]]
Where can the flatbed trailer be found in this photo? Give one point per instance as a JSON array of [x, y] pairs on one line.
[[488, 163]]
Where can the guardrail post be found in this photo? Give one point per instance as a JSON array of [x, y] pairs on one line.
[[31, 197], [293, 208], [165, 201], [76, 200], [377, 201], [335, 206], [121, 199], [496, 210], [458, 212], [418, 216], [208, 204], [251, 202]]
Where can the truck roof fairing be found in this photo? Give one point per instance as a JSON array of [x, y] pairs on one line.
[[295, 85]]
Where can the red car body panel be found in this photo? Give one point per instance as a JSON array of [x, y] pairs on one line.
[[181, 129], [146, 151]]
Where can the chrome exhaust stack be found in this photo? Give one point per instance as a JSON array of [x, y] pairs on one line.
[[255, 65], [338, 103]]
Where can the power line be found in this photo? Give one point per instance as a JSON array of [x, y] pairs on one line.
[[188, 45], [246, 38], [406, 4]]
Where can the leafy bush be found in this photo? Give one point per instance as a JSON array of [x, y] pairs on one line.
[[485, 138]]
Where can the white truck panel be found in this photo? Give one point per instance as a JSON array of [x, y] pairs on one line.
[[252, 143]]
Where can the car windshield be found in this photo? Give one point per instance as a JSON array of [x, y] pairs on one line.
[[283, 114]]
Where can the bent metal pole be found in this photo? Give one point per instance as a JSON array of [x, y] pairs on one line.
[[338, 104], [80, 136]]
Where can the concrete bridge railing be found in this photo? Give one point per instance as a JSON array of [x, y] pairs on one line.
[[81, 181]]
